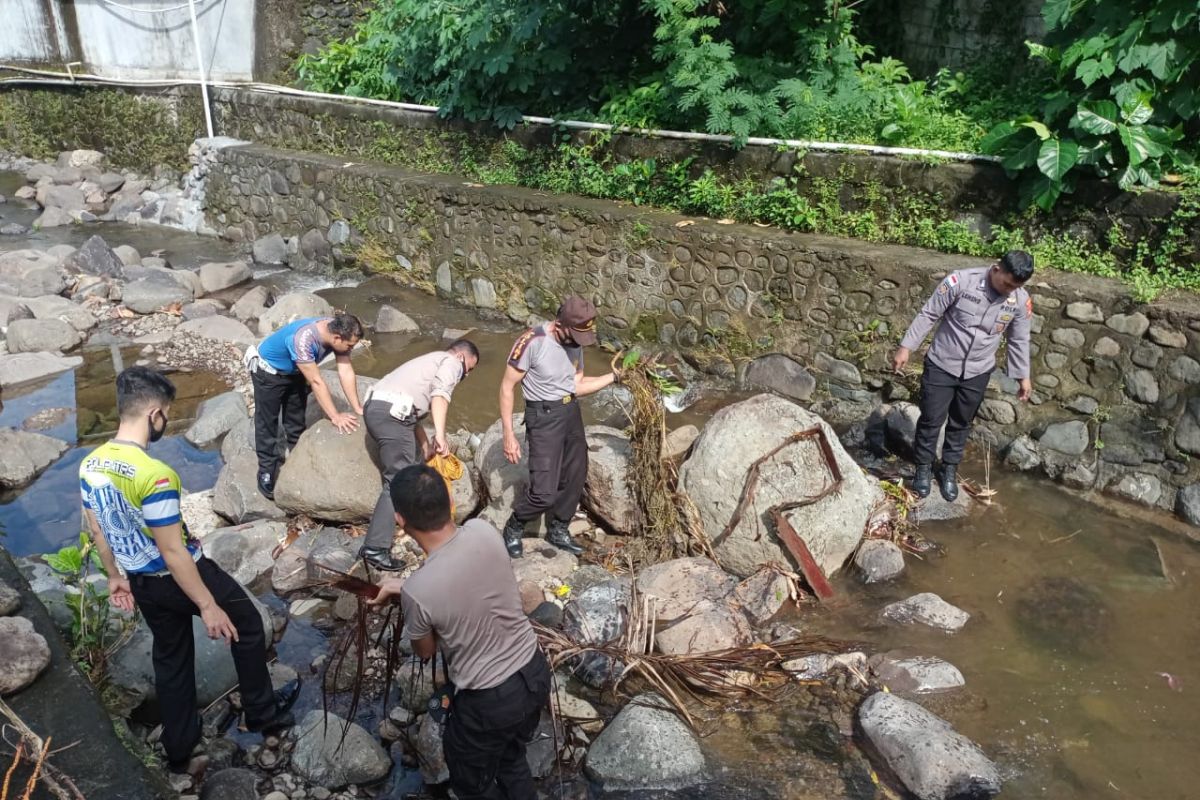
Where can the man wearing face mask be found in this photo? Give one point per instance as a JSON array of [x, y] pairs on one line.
[[393, 411], [548, 363], [131, 504]]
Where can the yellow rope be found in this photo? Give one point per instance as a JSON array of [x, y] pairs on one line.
[[451, 469]]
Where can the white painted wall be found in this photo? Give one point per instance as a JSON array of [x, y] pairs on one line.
[[120, 42]]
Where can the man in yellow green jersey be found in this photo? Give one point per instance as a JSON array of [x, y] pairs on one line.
[[131, 503]]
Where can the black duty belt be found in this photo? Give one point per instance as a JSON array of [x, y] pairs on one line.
[[546, 405]]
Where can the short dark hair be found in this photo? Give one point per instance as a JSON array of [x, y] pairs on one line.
[[419, 495], [464, 346], [1018, 263], [140, 387], [346, 326]]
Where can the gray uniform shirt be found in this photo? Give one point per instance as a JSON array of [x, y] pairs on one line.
[[973, 317], [424, 378], [465, 592], [548, 366]]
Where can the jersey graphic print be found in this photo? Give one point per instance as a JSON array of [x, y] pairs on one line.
[[122, 525]]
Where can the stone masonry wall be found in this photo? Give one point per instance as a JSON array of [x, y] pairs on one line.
[[1117, 402]]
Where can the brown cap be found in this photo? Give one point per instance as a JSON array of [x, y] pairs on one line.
[[579, 317]]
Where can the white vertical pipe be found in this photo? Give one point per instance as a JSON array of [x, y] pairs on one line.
[[200, 63]]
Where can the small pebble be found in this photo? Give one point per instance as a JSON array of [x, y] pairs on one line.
[[276, 796], [268, 759], [271, 742], [321, 793]]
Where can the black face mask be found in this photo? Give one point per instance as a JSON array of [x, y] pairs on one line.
[[157, 433]]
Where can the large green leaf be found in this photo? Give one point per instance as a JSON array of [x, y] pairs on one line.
[[1056, 13], [998, 139], [1039, 128], [1056, 157], [1138, 144], [1026, 156], [1098, 118], [1161, 59], [1089, 71]]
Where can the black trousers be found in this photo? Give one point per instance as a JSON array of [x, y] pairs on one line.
[[558, 460], [397, 449], [951, 401], [486, 733], [168, 612], [273, 395]]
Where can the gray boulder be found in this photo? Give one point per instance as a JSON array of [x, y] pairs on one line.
[[927, 609], [598, 615], [608, 493], [1069, 438], [315, 248], [41, 335], [67, 198], [270, 249], [24, 654], [543, 562], [936, 508], [154, 292], [313, 412], [236, 496], [916, 674], [715, 474], [21, 368], [216, 276], [13, 229], [502, 481], [304, 486], [128, 254], [215, 417], [901, 428], [95, 257], [10, 599], [1022, 454], [14, 308], [1187, 432], [464, 494], [708, 627], [291, 307], [332, 753], [930, 758], [42, 281], [26, 455], [52, 217], [431, 757], [761, 596], [392, 320], [60, 308], [645, 747], [245, 551], [328, 546], [252, 304], [879, 560], [677, 587], [110, 182], [679, 441], [1187, 503], [780, 374], [217, 328], [233, 783]]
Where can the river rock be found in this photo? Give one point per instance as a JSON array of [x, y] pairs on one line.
[[916, 674], [761, 596], [323, 756], [244, 551], [598, 615], [464, 494], [1070, 438], [781, 374], [819, 665], [936, 508], [236, 496], [608, 493], [587, 576], [928, 609], [13, 229], [303, 486], [1187, 503], [576, 709], [270, 249], [431, 758], [501, 480], [1187, 432], [233, 783], [707, 627], [329, 546], [95, 257], [128, 254], [217, 328], [1063, 614], [879, 560], [1138, 487], [291, 307], [646, 747], [80, 159], [23, 654], [714, 477], [679, 441], [215, 417], [66, 198], [900, 424], [155, 292], [928, 756], [26, 455], [392, 320], [21, 368], [313, 412], [38, 335], [10, 599], [60, 308], [52, 218], [252, 304], [1022, 454], [543, 562], [217, 276], [678, 586], [42, 281]]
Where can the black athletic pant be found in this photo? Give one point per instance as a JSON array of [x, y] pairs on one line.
[[168, 613], [486, 733], [274, 394], [397, 449], [947, 400], [558, 460]]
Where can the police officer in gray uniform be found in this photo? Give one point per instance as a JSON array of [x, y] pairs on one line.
[[975, 307], [548, 363]]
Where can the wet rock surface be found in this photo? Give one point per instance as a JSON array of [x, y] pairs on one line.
[[927, 609], [645, 747]]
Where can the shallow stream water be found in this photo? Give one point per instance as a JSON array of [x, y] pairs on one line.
[[1076, 611]]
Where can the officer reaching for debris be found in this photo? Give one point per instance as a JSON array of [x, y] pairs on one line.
[[975, 308], [548, 363]]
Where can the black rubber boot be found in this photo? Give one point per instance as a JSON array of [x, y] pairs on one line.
[[514, 532], [923, 480], [285, 696], [560, 536], [380, 558], [948, 482]]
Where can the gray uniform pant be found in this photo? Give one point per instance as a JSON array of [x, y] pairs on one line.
[[947, 400], [558, 460], [397, 449]]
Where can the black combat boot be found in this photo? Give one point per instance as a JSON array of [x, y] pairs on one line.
[[560, 536], [514, 532], [380, 558], [948, 482], [923, 480]]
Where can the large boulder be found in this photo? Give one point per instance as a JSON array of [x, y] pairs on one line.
[[217, 276], [927, 609], [244, 551], [901, 428], [154, 292], [330, 547], [330, 475], [781, 374], [677, 587], [15, 265], [598, 615], [393, 320], [708, 627], [431, 757], [95, 257], [26, 455], [714, 477], [930, 758], [42, 281], [270, 249], [762, 595], [501, 480], [60, 308], [21, 368], [217, 328], [23, 654], [645, 747], [38, 335], [232, 783], [333, 753], [251, 305], [542, 563], [291, 307], [313, 412], [916, 674], [464, 494], [608, 493], [879, 560], [236, 496], [215, 417]]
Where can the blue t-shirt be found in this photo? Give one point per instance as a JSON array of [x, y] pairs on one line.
[[298, 342]]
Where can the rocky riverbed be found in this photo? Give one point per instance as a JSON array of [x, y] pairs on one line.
[[833, 734]]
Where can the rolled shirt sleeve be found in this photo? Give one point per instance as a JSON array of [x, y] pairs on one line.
[[1018, 342], [447, 376], [935, 307]]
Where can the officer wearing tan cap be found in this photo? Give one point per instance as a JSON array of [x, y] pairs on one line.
[[548, 363]]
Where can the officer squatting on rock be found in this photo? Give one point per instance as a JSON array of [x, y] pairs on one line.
[[972, 309], [393, 411], [548, 363]]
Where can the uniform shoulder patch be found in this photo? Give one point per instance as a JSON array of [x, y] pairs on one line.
[[521, 345], [1028, 307], [949, 283]]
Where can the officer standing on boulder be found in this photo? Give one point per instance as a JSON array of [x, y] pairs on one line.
[[975, 308], [548, 363]]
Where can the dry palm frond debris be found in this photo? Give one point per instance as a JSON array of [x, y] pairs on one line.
[[32, 749], [670, 527]]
